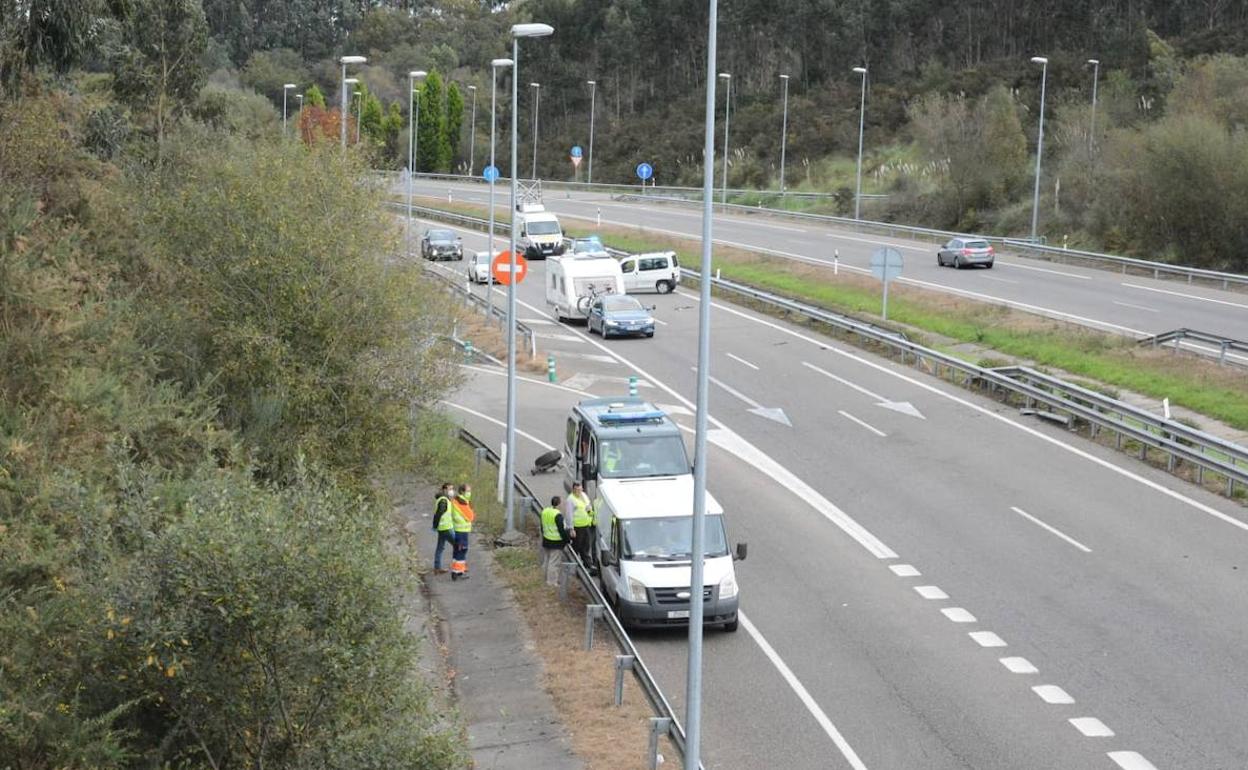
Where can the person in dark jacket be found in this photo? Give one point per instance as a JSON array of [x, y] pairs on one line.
[[554, 538]]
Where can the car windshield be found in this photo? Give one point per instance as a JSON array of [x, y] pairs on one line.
[[666, 538], [620, 304], [542, 228], [641, 456], [977, 244], [440, 235]]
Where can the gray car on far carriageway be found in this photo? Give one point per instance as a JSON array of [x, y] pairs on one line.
[[965, 251]]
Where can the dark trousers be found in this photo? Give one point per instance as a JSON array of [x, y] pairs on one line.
[[460, 554], [584, 544], [445, 536]]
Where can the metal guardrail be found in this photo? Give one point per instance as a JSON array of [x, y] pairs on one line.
[[1177, 441], [667, 722], [1174, 439], [1177, 336]]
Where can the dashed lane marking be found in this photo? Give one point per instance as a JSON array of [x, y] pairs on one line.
[[1185, 295], [1054, 530], [1051, 693], [930, 592], [958, 615], [1019, 666], [987, 639], [1092, 727], [1131, 760], [741, 360], [904, 570], [871, 428]]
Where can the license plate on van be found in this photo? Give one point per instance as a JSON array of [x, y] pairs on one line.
[[674, 614]]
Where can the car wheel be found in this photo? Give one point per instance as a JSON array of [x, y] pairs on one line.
[[957, 263], [663, 287], [649, 334], [989, 265], [940, 261], [731, 626]]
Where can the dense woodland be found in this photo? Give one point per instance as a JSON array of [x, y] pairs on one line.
[[206, 364]]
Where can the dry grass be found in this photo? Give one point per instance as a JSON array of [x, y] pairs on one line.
[[581, 683], [488, 337]]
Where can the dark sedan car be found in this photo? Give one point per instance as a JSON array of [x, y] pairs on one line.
[[441, 244], [619, 315], [965, 252]]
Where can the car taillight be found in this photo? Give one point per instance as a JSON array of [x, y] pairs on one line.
[[966, 252], [991, 250]]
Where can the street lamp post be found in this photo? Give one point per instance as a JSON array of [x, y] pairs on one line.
[[727, 109], [472, 134], [495, 66], [359, 113], [1035, 202], [593, 93], [784, 129], [862, 114], [285, 90], [412, 106], [537, 108], [342, 112], [1096, 71], [693, 674], [517, 31]]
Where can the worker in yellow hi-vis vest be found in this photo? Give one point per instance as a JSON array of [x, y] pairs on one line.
[[442, 525], [579, 511], [462, 517]]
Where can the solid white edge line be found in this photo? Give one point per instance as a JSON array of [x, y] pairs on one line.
[[852, 418], [1131, 760], [1185, 296], [490, 419], [999, 280], [741, 360], [531, 380], [1089, 457], [802, 694], [1050, 528], [1043, 270]]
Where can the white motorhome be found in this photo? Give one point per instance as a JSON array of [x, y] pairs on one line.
[[631, 456], [656, 271], [572, 282], [539, 234]]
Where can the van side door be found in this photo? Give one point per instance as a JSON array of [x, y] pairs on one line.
[[629, 268]]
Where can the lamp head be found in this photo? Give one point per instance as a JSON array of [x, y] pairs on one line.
[[501, 63], [860, 70], [417, 74], [472, 88], [349, 81], [1039, 60], [535, 85], [353, 59], [725, 76], [289, 85], [591, 82], [784, 77], [531, 30], [1094, 62]]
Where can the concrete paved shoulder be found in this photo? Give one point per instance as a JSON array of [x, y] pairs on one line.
[[511, 719]]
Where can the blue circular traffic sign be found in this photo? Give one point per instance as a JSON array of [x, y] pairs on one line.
[[644, 171], [490, 173], [576, 151]]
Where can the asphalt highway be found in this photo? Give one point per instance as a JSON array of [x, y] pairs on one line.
[[934, 581], [1101, 299]]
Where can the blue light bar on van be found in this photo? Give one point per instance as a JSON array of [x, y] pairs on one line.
[[625, 418]]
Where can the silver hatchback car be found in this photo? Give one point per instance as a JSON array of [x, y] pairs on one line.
[[965, 252]]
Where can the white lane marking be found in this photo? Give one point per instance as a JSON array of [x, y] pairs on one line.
[[875, 242], [1051, 693], [588, 380], [536, 322], [660, 323], [1086, 456], [1044, 270], [931, 592], [751, 455], [987, 639], [904, 570], [1019, 665], [998, 280], [771, 413], [500, 423], [871, 428], [904, 407], [587, 356], [1137, 307], [1052, 529], [958, 615], [746, 223], [1131, 760], [501, 373], [675, 409], [803, 695], [1091, 727], [1185, 295], [741, 360], [751, 403], [560, 337]]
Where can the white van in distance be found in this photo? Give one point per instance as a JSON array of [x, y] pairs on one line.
[[572, 282]]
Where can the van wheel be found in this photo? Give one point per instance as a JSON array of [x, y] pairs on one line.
[[731, 626], [664, 287]]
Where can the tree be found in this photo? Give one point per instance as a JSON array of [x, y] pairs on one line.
[[158, 68], [454, 124], [392, 131], [434, 153], [268, 71], [314, 97]]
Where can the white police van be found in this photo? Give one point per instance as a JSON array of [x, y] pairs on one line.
[[631, 458]]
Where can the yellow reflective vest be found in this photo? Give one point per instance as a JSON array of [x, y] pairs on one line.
[[462, 516], [581, 514]]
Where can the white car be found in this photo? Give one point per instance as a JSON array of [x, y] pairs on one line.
[[479, 267]]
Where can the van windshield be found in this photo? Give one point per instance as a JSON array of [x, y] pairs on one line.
[[661, 539], [540, 227], [642, 456]]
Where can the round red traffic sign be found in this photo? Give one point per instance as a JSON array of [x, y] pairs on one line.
[[501, 268]]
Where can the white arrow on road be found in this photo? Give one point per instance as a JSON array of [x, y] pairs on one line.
[[905, 407], [771, 413]]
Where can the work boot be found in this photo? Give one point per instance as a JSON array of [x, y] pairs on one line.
[[439, 571]]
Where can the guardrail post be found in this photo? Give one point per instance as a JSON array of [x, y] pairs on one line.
[[550, 368], [1222, 355], [468, 351], [565, 575], [593, 612], [532, 344], [480, 453], [659, 726], [632, 385], [622, 663]]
